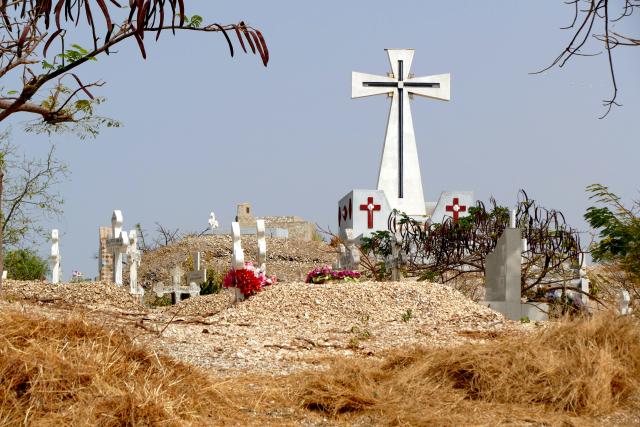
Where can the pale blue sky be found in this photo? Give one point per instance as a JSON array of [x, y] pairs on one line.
[[203, 131]]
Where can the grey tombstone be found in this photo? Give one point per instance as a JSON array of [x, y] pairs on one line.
[[502, 278]]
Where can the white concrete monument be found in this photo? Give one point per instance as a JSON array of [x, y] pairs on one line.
[[134, 257], [118, 244], [262, 246], [399, 174], [54, 259], [237, 256], [399, 180]]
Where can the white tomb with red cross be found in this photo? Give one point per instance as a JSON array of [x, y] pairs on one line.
[[452, 204], [364, 211]]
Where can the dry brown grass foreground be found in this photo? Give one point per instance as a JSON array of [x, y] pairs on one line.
[[77, 373]]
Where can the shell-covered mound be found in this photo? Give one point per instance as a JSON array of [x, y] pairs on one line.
[[89, 294], [289, 259], [292, 320]]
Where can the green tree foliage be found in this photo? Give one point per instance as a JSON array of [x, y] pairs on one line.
[[618, 227], [23, 264]]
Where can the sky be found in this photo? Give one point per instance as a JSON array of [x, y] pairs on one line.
[[203, 131]]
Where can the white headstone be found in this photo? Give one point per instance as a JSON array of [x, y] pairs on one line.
[[262, 246], [399, 176], [212, 221], [237, 257], [118, 244], [625, 299], [135, 257], [4, 275], [54, 260], [198, 275]]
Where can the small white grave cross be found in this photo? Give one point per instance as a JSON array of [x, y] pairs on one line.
[[212, 221], [262, 246], [54, 260], [118, 244], [625, 299], [237, 257], [198, 275], [135, 258]]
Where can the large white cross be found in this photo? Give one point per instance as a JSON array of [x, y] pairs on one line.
[[399, 175]]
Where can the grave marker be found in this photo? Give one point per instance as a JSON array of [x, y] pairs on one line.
[[503, 272], [198, 275], [237, 257], [624, 300], [134, 257], [54, 259], [213, 223], [262, 246], [118, 245]]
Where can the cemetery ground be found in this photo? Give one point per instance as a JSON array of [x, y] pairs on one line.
[[367, 353]]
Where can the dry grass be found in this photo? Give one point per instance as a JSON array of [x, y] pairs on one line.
[[75, 373], [581, 368]]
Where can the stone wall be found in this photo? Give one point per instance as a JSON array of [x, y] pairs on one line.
[[298, 228], [105, 256]]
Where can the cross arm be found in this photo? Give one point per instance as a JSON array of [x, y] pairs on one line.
[[363, 84], [434, 87]]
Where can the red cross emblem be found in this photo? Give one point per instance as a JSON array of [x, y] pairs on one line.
[[370, 208], [456, 209]]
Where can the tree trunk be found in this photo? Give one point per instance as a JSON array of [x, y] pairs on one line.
[[1, 234]]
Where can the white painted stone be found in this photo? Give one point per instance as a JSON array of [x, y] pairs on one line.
[[451, 203], [584, 279], [118, 244], [357, 207], [54, 259], [262, 246], [624, 300], [4, 275], [135, 258], [213, 224], [412, 200], [237, 257]]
